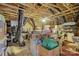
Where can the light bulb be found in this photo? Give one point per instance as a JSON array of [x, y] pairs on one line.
[[44, 20]]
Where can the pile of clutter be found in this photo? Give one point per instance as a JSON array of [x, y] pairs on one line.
[[42, 42]]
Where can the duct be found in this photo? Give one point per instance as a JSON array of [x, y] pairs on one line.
[[57, 9], [25, 19], [31, 19], [76, 4], [51, 11], [69, 23], [19, 29], [62, 18], [33, 23], [76, 16]]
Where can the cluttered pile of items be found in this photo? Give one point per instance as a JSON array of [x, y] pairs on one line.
[[70, 45], [43, 43]]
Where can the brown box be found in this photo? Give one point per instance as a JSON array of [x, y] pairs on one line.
[[44, 52]]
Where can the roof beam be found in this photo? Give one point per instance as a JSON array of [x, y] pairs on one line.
[[8, 10], [52, 7], [10, 6], [64, 12]]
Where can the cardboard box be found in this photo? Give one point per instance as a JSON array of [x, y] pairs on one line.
[[44, 52]]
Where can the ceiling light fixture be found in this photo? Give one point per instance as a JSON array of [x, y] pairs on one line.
[[43, 20]]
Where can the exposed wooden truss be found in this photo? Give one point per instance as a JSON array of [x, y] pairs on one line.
[[10, 11]]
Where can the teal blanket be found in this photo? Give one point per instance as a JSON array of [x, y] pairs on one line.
[[49, 43]]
